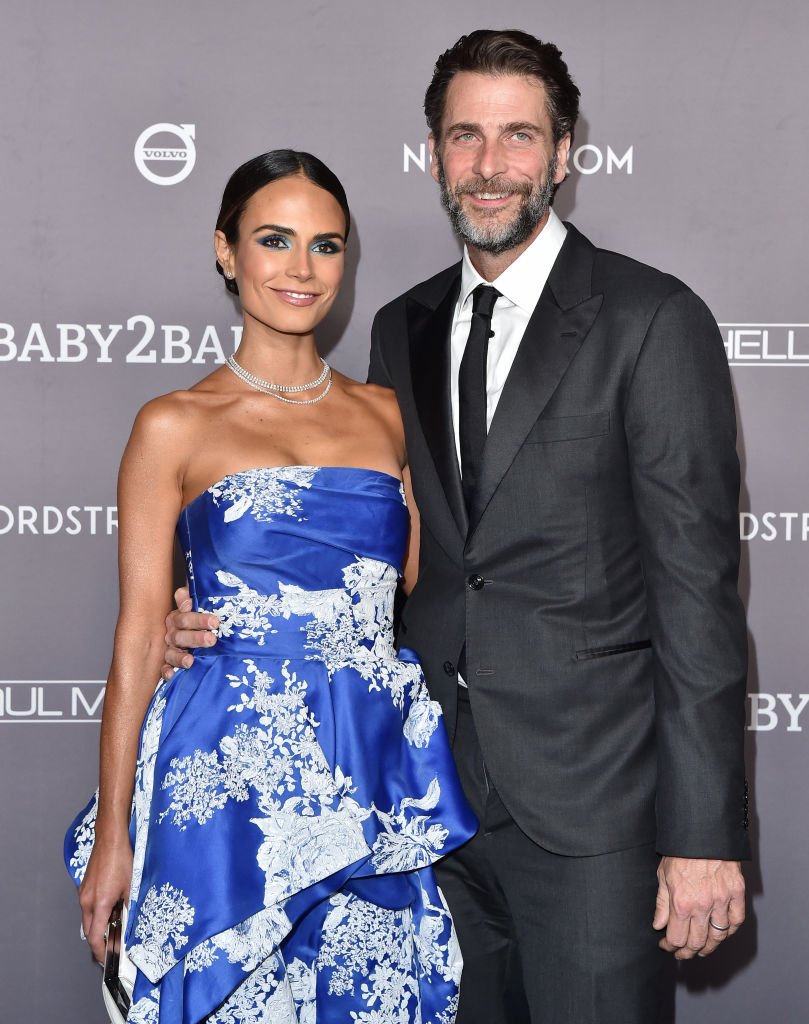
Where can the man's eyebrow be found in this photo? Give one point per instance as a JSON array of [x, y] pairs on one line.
[[463, 126], [507, 127], [522, 126]]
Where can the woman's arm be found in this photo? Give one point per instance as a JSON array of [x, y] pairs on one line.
[[149, 501]]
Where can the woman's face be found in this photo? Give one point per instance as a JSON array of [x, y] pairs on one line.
[[289, 259]]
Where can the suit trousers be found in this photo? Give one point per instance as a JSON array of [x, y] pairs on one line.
[[547, 938]]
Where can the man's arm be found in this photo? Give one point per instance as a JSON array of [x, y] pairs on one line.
[[186, 629], [681, 431], [377, 370]]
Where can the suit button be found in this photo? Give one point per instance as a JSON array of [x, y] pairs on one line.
[[449, 668], [475, 582]]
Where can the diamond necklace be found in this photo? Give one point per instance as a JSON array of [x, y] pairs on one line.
[[266, 388], [251, 378]]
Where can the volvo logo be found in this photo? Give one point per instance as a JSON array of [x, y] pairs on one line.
[[148, 158]]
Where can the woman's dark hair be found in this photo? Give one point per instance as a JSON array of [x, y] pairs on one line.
[[260, 171], [510, 52]]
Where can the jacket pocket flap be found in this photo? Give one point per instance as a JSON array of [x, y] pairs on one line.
[[569, 428], [606, 652]]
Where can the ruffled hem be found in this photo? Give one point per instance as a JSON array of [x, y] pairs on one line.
[[283, 817]]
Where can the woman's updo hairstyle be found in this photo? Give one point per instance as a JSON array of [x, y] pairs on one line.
[[262, 170]]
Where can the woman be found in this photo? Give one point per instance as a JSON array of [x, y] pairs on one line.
[[294, 786]]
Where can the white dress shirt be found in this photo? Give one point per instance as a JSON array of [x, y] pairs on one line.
[[520, 286]]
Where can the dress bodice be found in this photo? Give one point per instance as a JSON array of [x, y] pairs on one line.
[[282, 554]]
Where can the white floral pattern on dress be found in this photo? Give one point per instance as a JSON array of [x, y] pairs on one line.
[[189, 569], [145, 1010], [83, 838], [370, 952], [250, 942], [259, 999], [437, 942], [159, 933], [408, 842], [144, 784], [264, 493], [201, 957], [310, 823], [350, 627], [247, 613], [84, 834], [358, 633], [302, 979], [422, 719]]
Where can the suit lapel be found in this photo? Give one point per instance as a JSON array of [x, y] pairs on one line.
[[428, 331], [559, 324]]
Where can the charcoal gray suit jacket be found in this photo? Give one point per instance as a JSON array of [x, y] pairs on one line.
[[594, 582]]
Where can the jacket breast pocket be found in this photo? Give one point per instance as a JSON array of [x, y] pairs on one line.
[[569, 428], [607, 652]]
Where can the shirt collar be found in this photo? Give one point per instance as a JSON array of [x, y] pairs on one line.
[[521, 282]]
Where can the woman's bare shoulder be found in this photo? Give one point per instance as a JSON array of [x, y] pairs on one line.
[[174, 422], [183, 409], [381, 400], [168, 412]]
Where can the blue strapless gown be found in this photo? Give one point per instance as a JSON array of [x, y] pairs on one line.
[[295, 785]]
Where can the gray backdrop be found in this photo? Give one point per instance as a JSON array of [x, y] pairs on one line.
[[691, 155]]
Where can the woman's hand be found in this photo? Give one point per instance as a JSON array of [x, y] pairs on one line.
[[106, 880]]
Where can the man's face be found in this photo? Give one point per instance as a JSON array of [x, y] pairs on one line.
[[496, 161]]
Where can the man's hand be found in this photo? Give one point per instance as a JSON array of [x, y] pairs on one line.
[[184, 629], [699, 903]]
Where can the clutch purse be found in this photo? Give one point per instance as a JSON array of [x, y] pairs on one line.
[[119, 971]]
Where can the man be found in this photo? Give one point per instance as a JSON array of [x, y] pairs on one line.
[[571, 439]]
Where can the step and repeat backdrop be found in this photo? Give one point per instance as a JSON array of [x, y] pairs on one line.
[[120, 124]]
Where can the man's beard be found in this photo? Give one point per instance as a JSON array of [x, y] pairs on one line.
[[492, 236]]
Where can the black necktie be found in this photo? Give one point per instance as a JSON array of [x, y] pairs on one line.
[[472, 389]]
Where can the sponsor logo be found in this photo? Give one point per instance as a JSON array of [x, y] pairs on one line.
[[769, 526], [766, 344], [589, 159], [51, 701], [586, 159], [783, 711], [81, 700], [46, 520], [175, 162], [139, 340]]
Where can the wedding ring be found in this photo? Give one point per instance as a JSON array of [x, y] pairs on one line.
[[719, 928]]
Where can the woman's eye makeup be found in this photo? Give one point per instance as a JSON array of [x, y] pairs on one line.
[[327, 247], [324, 247]]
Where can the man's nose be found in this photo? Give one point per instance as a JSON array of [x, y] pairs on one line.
[[491, 159]]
